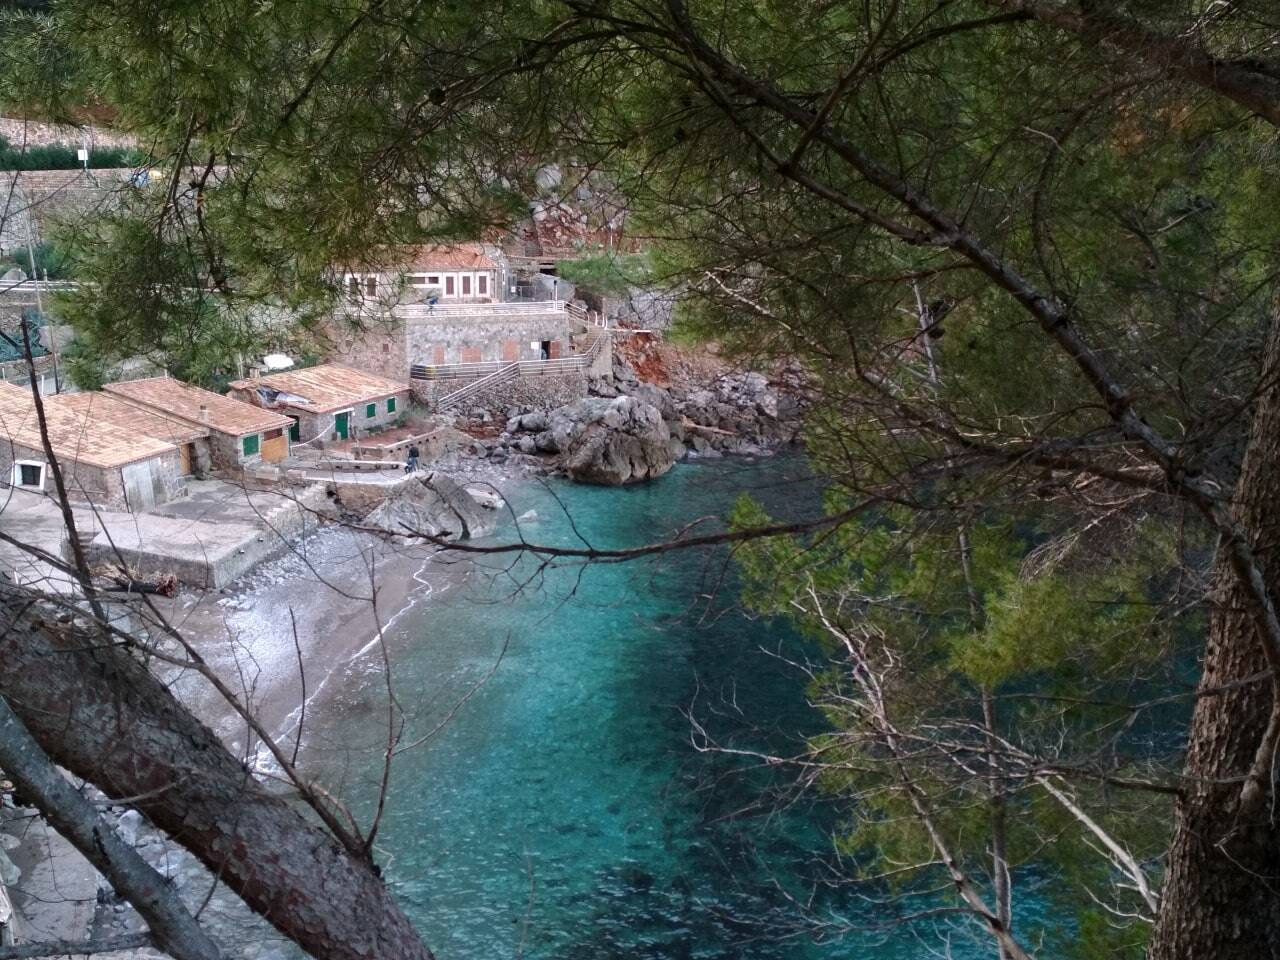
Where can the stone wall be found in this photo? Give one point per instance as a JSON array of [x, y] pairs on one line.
[[54, 197], [535, 392], [226, 453], [478, 339], [431, 446], [18, 132], [150, 482], [380, 348]]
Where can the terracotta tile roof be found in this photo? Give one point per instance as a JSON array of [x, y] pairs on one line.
[[76, 435], [182, 400], [11, 394], [329, 387], [463, 256], [430, 256], [113, 411]]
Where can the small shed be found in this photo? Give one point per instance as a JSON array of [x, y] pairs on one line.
[[110, 467], [240, 434], [329, 402]]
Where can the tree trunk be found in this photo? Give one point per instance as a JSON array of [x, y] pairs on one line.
[[100, 714], [173, 928], [1221, 896]]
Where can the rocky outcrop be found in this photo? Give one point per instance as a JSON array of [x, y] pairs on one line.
[[599, 440], [433, 505]]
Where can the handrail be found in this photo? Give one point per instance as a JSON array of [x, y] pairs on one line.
[[471, 389]]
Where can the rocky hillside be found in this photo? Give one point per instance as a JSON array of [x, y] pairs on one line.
[[663, 404]]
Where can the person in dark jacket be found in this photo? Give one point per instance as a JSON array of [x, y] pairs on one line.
[[411, 465]]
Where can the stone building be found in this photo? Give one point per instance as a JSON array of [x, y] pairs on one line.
[[101, 463], [238, 434], [392, 343], [458, 273], [328, 403], [109, 412]]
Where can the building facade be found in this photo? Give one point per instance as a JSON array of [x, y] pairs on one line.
[[238, 435], [100, 463], [330, 403], [459, 273]]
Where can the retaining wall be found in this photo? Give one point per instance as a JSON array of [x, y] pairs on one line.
[[538, 392]]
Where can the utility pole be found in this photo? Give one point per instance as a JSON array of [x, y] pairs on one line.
[[35, 280]]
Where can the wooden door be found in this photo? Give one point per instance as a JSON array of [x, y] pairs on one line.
[[186, 457], [341, 424], [275, 446]]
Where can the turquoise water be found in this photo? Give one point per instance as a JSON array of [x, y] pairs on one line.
[[563, 811]]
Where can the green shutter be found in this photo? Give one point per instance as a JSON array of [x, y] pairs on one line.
[[391, 404], [370, 411], [250, 445]]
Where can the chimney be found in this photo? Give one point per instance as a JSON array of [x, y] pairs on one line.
[[204, 413]]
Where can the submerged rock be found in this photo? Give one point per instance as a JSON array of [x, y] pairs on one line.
[[433, 506]]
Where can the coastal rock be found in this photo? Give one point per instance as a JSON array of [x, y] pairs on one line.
[[488, 499], [609, 442], [433, 506]]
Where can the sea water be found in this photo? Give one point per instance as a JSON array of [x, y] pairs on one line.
[[565, 796]]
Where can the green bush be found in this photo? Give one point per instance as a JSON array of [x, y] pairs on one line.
[[49, 260], [61, 156]]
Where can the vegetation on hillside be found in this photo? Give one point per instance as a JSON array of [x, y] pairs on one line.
[[1025, 254]]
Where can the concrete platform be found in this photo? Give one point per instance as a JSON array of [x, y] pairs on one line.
[[208, 538]]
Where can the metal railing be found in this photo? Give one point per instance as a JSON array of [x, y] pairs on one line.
[[500, 310]]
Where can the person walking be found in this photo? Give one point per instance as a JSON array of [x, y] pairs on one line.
[[411, 465]]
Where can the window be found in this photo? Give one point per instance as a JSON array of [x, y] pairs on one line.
[[482, 284], [250, 445], [353, 286], [371, 286], [466, 284], [370, 411], [391, 404], [448, 286], [433, 281], [28, 474], [418, 281]]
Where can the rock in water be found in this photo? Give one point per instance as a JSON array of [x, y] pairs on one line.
[[434, 506], [609, 441]]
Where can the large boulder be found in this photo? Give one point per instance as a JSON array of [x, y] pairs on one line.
[[433, 505], [609, 441]]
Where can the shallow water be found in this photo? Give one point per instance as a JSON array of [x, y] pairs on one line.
[[563, 811]]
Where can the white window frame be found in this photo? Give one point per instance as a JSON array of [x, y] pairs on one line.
[[16, 476]]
